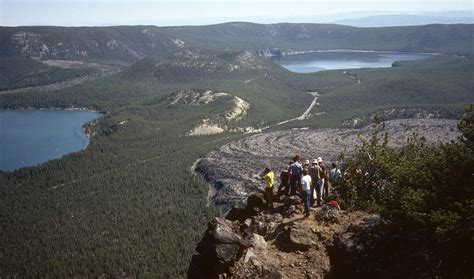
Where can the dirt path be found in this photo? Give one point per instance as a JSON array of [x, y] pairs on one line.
[[311, 106]]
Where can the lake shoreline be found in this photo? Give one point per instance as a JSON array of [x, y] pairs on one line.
[[280, 53], [50, 133], [71, 108], [344, 59], [360, 51]]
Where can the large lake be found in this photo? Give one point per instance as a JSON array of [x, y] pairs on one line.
[[333, 60], [30, 137]]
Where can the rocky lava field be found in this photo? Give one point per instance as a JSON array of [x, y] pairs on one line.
[[233, 171]]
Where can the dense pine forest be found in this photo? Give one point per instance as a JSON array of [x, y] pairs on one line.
[[129, 204]]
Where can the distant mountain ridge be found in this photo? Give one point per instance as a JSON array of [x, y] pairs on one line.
[[128, 44], [405, 20]]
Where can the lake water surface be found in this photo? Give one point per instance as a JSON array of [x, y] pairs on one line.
[[30, 137], [334, 60]]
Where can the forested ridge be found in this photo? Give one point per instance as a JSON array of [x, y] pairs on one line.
[[129, 203]]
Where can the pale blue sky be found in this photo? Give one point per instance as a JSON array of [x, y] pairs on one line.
[[183, 12]]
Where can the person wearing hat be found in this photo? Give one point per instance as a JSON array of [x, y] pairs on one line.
[[305, 167], [319, 174], [306, 188], [324, 175], [314, 171]]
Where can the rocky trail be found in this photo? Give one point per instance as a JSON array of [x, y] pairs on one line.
[[233, 170]]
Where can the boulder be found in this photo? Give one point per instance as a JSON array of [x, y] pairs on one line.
[[290, 205], [258, 242], [290, 210], [221, 246], [226, 253], [254, 265], [264, 225], [275, 217], [256, 201], [301, 237], [249, 254], [328, 214], [292, 200], [239, 214], [222, 231]]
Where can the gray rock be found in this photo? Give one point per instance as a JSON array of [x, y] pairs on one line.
[[265, 225], [301, 238], [258, 242], [218, 250], [275, 218], [226, 253], [239, 214], [256, 200], [226, 232], [290, 210], [328, 214], [249, 254], [292, 200]]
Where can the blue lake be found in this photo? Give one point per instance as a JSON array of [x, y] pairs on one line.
[[334, 60], [30, 137]]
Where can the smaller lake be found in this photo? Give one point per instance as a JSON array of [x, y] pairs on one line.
[[30, 137], [335, 60]]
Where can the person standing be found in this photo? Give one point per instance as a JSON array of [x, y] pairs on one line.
[[269, 178], [335, 176], [295, 175], [313, 171], [306, 164], [324, 177], [319, 182], [306, 189], [284, 179]]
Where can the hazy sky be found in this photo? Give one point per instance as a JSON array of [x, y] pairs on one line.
[[182, 12]]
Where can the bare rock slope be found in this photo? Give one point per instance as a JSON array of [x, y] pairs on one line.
[[233, 170], [276, 244]]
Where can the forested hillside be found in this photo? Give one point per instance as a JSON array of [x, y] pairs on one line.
[[129, 203], [128, 44], [20, 72]]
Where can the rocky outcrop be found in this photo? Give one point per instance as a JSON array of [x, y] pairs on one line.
[[126, 44], [219, 122], [263, 243], [272, 52], [301, 237], [220, 247]]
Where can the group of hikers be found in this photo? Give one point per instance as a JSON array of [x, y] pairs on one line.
[[312, 180]]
